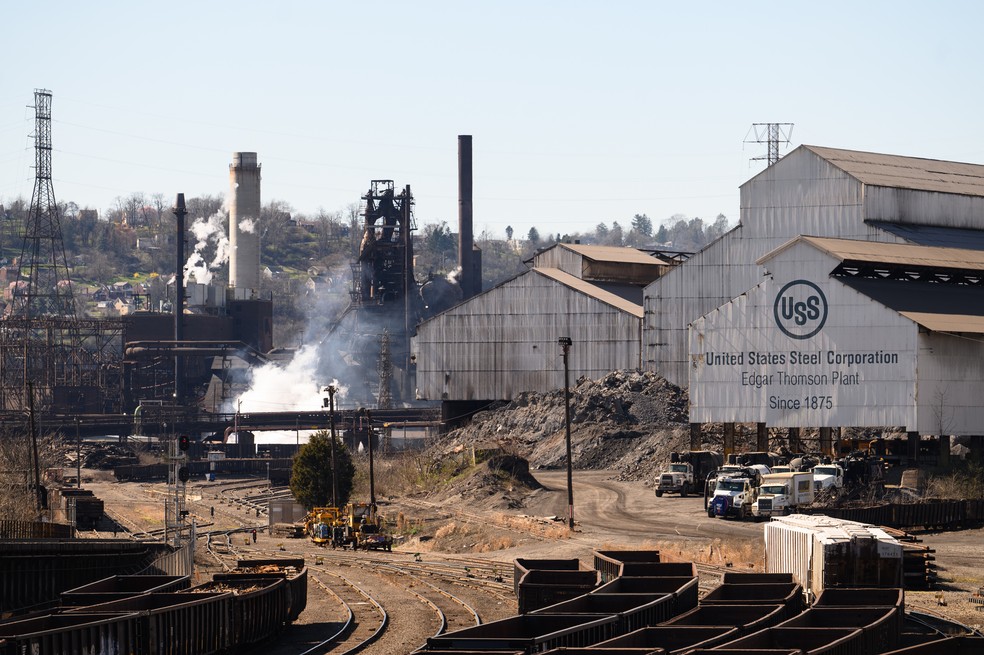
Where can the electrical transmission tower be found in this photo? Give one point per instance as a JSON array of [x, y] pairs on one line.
[[42, 362], [43, 288], [772, 134]]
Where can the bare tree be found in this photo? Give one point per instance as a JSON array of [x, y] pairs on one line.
[[160, 205]]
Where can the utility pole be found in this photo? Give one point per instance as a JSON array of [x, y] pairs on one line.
[[78, 455], [331, 424], [38, 492], [565, 344], [372, 479], [771, 134]]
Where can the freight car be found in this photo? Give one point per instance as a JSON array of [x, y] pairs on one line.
[[530, 633], [234, 610], [634, 611]]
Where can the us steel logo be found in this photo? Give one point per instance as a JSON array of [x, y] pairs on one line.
[[800, 309]]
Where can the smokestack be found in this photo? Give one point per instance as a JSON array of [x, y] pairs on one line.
[[179, 213], [244, 225], [465, 235]]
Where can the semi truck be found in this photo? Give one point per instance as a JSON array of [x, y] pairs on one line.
[[782, 493], [733, 496], [828, 477]]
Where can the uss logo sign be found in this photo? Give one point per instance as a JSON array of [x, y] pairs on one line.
[[800, 309]]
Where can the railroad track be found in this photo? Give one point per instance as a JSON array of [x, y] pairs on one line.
[[131, 529], [453, 612], [366, 619], [472, 574]]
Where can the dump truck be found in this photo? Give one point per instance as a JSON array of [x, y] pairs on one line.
[[781, 493], [687, 471]]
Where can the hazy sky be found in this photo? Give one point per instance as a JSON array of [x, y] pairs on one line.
[[580, 112]]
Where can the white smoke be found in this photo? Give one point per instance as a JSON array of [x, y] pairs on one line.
[[454, 275], [247, 225], [293, 387], [301, 384], [207, 232]]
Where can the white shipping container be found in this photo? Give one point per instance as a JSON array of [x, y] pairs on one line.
[[822, 552]]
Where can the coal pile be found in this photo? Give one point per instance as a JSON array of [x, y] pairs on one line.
[[627, 421]]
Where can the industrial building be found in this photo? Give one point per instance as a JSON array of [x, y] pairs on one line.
[[843, 332], [504, 341], [871, 320], [820, 192]]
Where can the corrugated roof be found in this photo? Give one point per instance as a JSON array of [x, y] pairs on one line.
[[900, 172], [589, 289], [947, 322], [893, 253], [617, 254], [936, 307]]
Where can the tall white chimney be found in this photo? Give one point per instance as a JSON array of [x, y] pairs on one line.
[[244, 225]]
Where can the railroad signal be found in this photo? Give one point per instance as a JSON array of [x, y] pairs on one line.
[[184, 442], [183, 474]]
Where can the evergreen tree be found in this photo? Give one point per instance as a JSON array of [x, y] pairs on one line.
[[642, 224], [310, 479]]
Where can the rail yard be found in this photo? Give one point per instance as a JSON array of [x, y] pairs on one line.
[[418, 598]]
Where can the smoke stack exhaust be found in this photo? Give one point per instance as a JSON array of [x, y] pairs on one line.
[[471, 283]]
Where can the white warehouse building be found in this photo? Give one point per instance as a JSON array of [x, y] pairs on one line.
[[844, 332], [504, 341], [819, 192]]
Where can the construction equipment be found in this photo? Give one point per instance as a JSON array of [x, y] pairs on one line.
[[365, 528], [356, 525], [321, 525]]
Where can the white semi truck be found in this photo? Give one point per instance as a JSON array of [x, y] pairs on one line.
[[733, 496], [782, 493], [828, 476]]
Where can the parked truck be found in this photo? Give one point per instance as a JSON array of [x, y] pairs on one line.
[[687, 472], [828, 477], [733, 496], [782, 493]]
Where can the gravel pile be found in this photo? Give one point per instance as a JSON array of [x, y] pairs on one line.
[[628, 422]]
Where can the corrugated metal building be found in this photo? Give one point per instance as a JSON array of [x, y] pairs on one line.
[[848, 333], [821, 192], [505, 340]]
